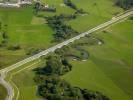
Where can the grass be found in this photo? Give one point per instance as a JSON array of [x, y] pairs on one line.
[[25, 88], [29, 31], [21, 28], [25, 29], [109, 68], [98, 11], [3, 92]]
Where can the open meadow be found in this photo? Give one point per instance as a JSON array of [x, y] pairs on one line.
[[97, 12], [28, 31], [23, 29], [109, 68]]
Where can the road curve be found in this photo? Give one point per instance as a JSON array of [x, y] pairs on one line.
[[4, 71]]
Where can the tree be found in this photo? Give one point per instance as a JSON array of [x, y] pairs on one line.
[[53, 64], [52, 87], [4, 35], [61, 30], [126, 4]]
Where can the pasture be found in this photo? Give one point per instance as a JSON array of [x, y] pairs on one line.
[[28, 31], [24, 29], [109, 68]]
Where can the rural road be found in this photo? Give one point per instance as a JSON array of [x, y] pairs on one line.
[[17, 4], [3, 72]]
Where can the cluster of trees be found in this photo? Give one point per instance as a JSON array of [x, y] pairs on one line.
[[41, 7], [3, 32], [73, 6], [14, 47], [62, 31], [125, 4], [52, 87], [131, 18], [73, 51], [32, 51], [70, 4], [55, 65]]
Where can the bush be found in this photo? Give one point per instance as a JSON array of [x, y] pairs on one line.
[[32, 51], [14, 47], [70, 4], [131, 18]]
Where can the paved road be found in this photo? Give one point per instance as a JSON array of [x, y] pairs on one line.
[[8, 87], [4, 71], [18, 4]]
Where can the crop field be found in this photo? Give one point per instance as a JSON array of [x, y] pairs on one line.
[[109, 68]]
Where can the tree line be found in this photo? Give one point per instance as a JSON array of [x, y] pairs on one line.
[[125, 4], [52, 87], [61, 30], [70, 4]]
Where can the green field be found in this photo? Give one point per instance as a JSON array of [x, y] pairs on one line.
[[3, 92], [29, 31], [109, 68], [25, 88], [24, 29], [98, 11]]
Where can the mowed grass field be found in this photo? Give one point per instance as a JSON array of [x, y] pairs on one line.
[[29, 31], [97, 12], [109, 68], [23, 29]]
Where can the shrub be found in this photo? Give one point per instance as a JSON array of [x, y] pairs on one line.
[[14, 47]]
